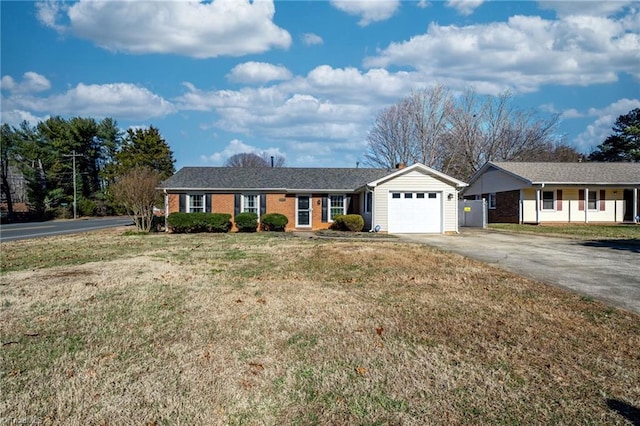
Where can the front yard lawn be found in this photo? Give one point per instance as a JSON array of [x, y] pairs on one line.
[[103, 328]]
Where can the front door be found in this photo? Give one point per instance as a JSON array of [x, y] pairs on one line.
[[303, 211]]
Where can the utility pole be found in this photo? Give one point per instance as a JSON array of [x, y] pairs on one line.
[[73, 155]]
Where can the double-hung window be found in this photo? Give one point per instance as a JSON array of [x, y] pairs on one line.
[[196, 203], [548, 200], [251, 203], [592, 203], [336, 206]]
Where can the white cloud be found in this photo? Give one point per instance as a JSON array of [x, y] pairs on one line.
[[596, 132], [31, 83], [422, 4], [368, 10], [16, 116], [189, 28], [234, 147], [571, 113], [521, 54], [120, 100], [333, 105], [464, 7], [594, 8], [258, 72], [311, 39], [50, 12]]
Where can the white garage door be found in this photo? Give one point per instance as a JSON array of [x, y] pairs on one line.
[[415, 212]]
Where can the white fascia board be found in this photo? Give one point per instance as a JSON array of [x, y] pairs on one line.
[[427, 170]]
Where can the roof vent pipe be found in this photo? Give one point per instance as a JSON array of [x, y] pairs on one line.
[[272, 161]]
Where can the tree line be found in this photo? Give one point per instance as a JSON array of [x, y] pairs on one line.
[[44, 155]]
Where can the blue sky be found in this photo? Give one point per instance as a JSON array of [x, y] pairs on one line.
[[305, 79]]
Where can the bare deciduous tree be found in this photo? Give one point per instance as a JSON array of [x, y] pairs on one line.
[[458, 135], [251, 159], [390, 140], [137, 192], [430, 109]]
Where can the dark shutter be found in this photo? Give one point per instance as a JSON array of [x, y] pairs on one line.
[[581, 199], [263, 204], [559, 200], [182, 203], [349, 205], [207, 203], [236, 204], [603, 195], [325, 213]]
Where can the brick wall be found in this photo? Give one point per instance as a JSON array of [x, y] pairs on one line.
[[507, 207]]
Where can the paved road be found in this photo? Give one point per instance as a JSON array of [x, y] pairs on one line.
[[21, 231], [606, 270]]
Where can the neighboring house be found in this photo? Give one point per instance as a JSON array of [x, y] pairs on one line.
[[415, 199], [558, 192]]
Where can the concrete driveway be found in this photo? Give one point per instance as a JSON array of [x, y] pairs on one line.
[[605, 270]]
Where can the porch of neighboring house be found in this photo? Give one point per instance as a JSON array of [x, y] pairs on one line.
[[594, 204]]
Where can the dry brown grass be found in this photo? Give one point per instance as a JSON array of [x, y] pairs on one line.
[[272, 329]]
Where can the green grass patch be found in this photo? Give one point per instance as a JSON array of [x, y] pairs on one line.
[[594, 232]]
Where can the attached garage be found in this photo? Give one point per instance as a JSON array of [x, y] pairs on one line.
[[416, 199], [415, 212]]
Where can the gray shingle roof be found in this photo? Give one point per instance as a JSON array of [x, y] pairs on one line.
[[574, 173], [267, 178]]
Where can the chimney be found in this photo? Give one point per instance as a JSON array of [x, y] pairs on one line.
[[401, 165]]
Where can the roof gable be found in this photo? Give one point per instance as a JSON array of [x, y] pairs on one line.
[[422, 169], [572, 173]]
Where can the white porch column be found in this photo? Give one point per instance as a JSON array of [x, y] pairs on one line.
[[586, 205], [537, 205], [635, 203]]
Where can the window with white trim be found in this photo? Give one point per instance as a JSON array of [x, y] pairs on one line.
[[336, 206], [368, 201], [548, 200], [491, 199], [195, 203], [592, 203], [251, 203]]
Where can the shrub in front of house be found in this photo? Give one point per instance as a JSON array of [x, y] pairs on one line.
[[273, 222], [348, 222], [199, 222], [246, 222]]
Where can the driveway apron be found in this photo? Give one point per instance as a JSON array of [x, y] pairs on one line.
[[605, 270]]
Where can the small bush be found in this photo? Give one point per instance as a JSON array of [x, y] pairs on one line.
[[273, 222], [157, 222], [348, 222], [247, 222], [86, 207], [199, 222]]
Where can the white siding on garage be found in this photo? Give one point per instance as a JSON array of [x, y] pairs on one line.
[[416, 181]]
